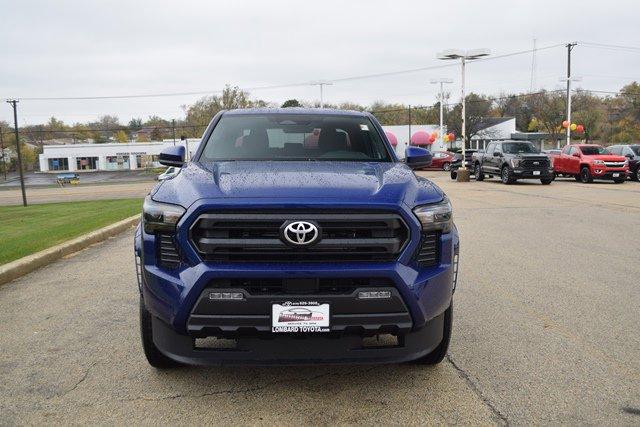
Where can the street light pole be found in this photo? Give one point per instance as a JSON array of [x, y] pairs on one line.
[[441, 98], [464, 56], [14, 103], [464, 115], [321, 83]]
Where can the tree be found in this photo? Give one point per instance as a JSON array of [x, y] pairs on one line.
[[156, 134], [477, 108], [588, 111], [200, 113], [135, 124], [548, 108], [291, 103], [121, 136]]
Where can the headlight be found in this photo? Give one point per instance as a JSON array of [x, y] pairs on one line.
[[158, 217], [438, 216], [514, 163], [598, 162]]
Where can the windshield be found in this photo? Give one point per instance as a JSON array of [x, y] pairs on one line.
[[295, 137], [593, 150], [636, 149], [519, 147]]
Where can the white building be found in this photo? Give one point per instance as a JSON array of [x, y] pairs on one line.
[[491, 129], [107, 157]]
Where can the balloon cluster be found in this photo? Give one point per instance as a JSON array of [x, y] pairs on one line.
[[447, 137], [573, 126]]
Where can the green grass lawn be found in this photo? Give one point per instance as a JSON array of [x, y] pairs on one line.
[[24, 231]]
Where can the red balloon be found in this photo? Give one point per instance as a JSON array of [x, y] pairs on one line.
[[432, 139], [392, 138], [452, 136], [565, 124], [420, 138], [579, 128]]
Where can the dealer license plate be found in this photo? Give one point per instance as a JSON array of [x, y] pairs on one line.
[[615, 175], [300, 316], [536, 172]]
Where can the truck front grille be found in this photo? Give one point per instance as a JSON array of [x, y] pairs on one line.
[[255, 237], [614, 164], [531, 163]]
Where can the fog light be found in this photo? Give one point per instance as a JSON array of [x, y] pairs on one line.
[[226, 296], [374, 295]]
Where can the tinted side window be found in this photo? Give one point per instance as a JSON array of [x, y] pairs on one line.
[[498, 148], [615, 149], [490, 148], [566, 149]]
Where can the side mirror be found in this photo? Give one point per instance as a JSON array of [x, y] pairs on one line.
[[417, 158], [629, 155], [497, 154], [576, 154], [172, 156]]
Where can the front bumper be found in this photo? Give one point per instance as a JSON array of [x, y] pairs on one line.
[[301, 349], [533, 173], [172, 296], [609, 174]]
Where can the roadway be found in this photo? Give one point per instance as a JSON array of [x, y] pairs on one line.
[[545, 330]]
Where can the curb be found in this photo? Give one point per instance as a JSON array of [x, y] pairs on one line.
[[25, 265]]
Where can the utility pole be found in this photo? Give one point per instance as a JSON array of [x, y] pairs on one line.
[[321, 83], [409, 143], [570, 47], [4, 165], [173, 128], [14, 103], [442, 82]]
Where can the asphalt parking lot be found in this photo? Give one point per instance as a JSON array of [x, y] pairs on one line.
[[545, 330]]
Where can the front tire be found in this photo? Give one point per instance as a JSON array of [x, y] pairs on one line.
[[585, 175], [446, 166], [506, 176], [477, 171], [454, 174], [619, 181], [546, 181], [153, 355], [439, 353]]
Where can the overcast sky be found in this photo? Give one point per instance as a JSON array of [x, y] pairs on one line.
[[100, 48]]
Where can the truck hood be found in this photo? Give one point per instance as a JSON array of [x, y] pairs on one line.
[[606, 157], [367, 182]]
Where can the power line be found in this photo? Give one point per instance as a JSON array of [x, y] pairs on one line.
[[279, 86], [610, 46]]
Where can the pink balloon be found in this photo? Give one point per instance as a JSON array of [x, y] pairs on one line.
[[392, 138], [420, 138], [432, 139]]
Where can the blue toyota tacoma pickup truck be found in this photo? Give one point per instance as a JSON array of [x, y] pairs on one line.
[[295, 236]]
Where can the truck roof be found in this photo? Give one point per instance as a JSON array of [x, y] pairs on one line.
[[297, 110]]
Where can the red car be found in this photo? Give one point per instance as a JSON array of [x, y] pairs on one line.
[[586, 162], [442, 160]]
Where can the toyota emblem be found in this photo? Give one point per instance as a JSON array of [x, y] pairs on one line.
[[300, 233]]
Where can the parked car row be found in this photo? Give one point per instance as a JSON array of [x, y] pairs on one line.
[[514, 160]]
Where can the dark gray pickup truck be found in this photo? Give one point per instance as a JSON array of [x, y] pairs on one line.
[[511, 161]]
